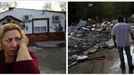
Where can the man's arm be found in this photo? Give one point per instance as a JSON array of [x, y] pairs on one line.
[[131, 32], [132, 36], [113, 35], [114, 41]]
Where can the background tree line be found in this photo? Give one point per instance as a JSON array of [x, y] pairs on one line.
[[103, 10]]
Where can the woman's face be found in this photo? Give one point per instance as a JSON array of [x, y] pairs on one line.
[[10, 42]]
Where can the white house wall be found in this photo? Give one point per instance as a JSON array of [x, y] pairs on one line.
[[19, 13], [50, 16], [29, 30]]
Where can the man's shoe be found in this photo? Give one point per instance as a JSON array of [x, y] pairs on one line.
[[131, 70], [123, 71]]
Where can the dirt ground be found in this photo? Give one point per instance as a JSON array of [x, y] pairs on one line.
[[51, 56], [108, 65]]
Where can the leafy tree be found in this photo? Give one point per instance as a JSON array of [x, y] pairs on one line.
[[103, 10], [47, 6], [62, 6], [6, 5]]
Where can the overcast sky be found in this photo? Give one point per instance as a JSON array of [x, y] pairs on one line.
[[36, 5], [32, 5]]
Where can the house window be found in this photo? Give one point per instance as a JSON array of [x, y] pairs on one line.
[[40, 29], [40, 25]]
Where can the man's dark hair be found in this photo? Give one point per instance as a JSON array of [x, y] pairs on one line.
[[120, 19]]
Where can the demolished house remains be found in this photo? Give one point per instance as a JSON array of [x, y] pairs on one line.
[[84, 40]]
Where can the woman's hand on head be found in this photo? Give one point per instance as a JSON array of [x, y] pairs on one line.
[[24, 40]]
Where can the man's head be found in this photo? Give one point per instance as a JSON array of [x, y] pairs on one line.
[[10, 36], [120, 19]]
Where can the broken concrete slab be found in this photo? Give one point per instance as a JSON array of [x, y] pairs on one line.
[[81, 23], [86, 40], [110, 43]]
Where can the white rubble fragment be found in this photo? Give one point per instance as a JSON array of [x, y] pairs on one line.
[[81, 57], [110, 43], [81, 23], [91, 50]]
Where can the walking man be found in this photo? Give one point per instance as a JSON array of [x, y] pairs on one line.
[[120, 34]]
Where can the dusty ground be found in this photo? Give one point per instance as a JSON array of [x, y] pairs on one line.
[[108, 65], [51, 55]]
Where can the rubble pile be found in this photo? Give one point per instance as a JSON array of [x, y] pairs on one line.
[[83, 40]]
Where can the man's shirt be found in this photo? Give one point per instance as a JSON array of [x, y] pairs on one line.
[[121, 32]]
